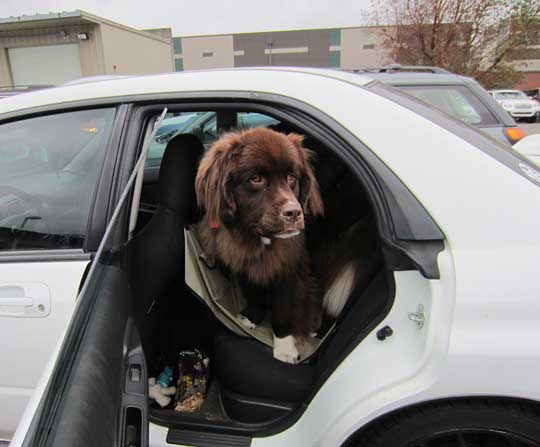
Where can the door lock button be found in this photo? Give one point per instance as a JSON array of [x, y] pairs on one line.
[[135, 373]]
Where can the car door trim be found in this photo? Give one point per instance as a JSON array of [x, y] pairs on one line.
[[44, 255]]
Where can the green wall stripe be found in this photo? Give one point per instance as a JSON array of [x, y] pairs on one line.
[[177, 45], [334, 59], [335, 37]]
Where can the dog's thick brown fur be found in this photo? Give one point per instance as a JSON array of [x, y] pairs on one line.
[[256, 186]]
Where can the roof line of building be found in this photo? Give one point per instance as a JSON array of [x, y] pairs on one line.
[[82, 15], [99, 19], [330, 28]]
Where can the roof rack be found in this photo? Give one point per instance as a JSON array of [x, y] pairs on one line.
[[391, 68]]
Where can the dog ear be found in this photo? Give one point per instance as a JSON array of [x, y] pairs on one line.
[[310, 197], [213, 181]]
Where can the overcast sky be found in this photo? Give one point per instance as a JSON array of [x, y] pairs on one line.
[[192, 17]]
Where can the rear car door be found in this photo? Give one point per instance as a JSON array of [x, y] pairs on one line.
[[51, 169]]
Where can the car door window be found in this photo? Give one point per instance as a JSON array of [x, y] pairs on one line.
[[172, 125], [49, 168], [254, 119], [455, 100], [201, 124]]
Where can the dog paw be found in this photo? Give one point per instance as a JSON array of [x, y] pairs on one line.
[[246, 322], [285, 349]]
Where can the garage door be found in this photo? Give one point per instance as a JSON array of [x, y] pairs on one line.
[[45, 65]]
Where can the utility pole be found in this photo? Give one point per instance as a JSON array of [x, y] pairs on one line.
[[269, 45]]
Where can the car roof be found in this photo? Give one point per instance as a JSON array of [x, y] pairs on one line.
[[240, 79]]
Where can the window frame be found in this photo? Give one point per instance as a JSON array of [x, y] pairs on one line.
[[100, 204]]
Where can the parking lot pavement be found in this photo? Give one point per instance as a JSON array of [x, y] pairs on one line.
[[531, 129]]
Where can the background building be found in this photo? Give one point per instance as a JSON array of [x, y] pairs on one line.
[[50, 49], [346, 48]]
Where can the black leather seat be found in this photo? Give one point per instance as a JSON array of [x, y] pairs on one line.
[[156, 253], [255, 387]]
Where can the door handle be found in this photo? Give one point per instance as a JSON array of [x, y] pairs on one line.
[[24, 300]]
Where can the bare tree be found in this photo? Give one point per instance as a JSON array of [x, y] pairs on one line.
[[478, 38]]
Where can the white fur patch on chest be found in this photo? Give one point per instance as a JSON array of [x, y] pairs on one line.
[[285, 349], [338, 293]]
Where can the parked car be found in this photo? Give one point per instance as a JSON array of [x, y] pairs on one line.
[[533, 93], [517, 104], [530, 148], [436, 346], [459, 96]]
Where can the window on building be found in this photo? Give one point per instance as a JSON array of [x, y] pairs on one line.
[[369, 46], [207, 54]]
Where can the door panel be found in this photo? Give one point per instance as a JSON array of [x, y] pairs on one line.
[[27, 342], [50, 167], [94, 398]]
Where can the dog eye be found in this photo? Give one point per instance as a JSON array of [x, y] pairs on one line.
[[256, 179], [291, 178]]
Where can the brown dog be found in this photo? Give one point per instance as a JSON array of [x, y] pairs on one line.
[[255, 187]]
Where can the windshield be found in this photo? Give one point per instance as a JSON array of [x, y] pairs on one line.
[[510, 95]]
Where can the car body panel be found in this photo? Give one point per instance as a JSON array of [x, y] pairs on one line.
[[530, 148], [481, 333], [30, 339]]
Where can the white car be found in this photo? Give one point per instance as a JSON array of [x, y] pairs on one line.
[[530, 148], [439, 346], [517, 104]]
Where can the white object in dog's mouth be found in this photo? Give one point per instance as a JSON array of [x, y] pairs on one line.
[[285, 235]]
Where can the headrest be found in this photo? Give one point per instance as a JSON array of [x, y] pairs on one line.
[[177, 174]]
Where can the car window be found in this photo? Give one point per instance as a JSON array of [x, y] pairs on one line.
[[455, 100], [510, 95], [201, 124], [172, 125], [49, 168], [254, 119]]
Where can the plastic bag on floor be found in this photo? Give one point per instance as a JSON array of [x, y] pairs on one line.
[[193, 373]]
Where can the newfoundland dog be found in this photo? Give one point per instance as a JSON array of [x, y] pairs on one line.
[[256, 188]]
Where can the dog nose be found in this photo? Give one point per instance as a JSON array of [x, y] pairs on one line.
[[291, 211]]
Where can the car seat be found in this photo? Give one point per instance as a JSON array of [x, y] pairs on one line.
[[156, 254], [256, 388]]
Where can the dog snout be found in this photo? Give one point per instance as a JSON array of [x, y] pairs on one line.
[[291, 212]]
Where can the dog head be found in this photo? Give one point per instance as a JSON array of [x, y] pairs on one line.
[[260, 181]]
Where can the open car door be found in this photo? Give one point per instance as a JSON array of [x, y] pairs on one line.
[[94, 390]]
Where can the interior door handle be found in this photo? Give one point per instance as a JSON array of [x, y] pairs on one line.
[[24, 300]]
